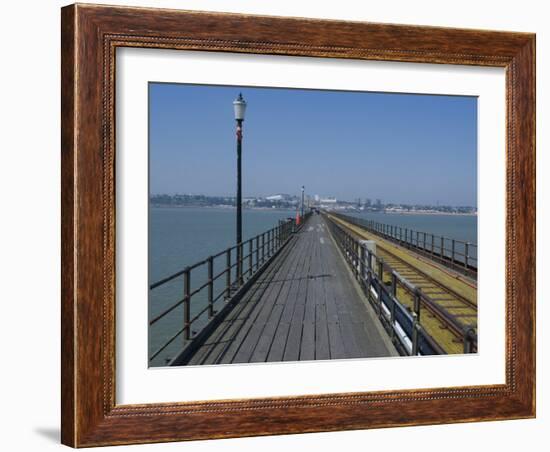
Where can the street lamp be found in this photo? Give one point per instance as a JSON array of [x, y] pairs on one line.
[[303, 189], [239, 106]]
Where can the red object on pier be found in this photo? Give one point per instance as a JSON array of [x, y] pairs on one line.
[[298, 219]]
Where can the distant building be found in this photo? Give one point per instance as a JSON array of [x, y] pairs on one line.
[[276, 197]]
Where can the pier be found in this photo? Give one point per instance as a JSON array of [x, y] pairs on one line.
[[330, 287]]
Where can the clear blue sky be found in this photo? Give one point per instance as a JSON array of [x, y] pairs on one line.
[[398, 147]]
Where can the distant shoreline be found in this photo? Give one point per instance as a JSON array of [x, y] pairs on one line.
[[271, 209], [281, 209], [460, 214]]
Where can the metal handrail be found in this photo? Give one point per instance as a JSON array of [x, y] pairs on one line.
[[404, 327], [458, 254], [260, 249]]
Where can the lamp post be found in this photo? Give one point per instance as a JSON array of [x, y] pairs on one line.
[[303, 189], [239, 106]]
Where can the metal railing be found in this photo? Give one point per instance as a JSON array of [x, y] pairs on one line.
[[220, 277], [457, 254], [402, 323]]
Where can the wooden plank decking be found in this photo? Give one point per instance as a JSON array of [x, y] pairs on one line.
[[305, 306]]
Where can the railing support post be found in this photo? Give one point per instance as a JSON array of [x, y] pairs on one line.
[[228, 273], [362, 262], [417, 297], [469, 339], [466, 246], [250, 258], [453, 251], [414, 339], [257, 252], [368, 284], [187, 303], [394, 284], [392, 309], [240, 263], [369, 259], [356, 258], [210, 287]]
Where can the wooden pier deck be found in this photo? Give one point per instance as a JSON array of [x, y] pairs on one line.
[[304, 306]]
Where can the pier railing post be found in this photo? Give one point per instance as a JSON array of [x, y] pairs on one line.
[[240, 264], [442, 248], [228, 273], [469, 339], [362, 262], [250, 258], [453, 251], [187, 303], [263, 247], [369, 262], [394, 295], [257, 252], [424, 243], [466, 251], [210, 287], [417, 297], [358, 257], [414, 338], [367, 285]]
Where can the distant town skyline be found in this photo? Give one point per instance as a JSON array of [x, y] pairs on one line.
[[401, 148], [354, 199], [293, 202]]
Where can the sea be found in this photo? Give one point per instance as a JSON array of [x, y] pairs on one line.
[[182, 236]]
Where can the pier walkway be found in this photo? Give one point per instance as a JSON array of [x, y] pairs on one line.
[[305, 305]]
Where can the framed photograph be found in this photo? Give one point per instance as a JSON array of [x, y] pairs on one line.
[[282, 225]]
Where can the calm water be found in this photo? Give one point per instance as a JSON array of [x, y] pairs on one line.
[[458, 227], [183, 236]]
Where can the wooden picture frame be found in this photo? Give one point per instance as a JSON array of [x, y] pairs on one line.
[[90, 36]]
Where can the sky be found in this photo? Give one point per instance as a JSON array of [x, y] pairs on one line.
[[401, 148]]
